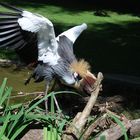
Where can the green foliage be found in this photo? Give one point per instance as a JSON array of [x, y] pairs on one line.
[[4, 96], [102, 137], [7, 54], [15, 118], [4, 92], [50, 133], [55, 129], [12, 123]]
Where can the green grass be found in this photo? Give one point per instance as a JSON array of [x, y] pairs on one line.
[[60, 15]]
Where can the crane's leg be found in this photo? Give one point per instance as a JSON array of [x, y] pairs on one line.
[[46, 93], [46, 101]]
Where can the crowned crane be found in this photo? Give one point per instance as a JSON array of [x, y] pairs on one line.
[[32, 36]]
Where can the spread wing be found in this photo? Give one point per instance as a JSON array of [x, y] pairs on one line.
[[73, 33], [66, 41], [29, 34]]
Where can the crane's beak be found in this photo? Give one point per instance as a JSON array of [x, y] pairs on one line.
[[86, 84]]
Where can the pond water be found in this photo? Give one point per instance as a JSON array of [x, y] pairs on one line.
[[16, 78]]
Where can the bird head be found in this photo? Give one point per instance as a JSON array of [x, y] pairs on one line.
[[81, 72], [80, 68]]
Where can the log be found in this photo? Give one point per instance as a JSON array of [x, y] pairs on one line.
[[76, 127], [135, 128], [93, 126], [21, 94], [115, 132]]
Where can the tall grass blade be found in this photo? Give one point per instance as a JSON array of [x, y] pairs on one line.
[[102, 137], [12, 107], [3, 128], [16, 121], [15, 135], [2, 87], [52, 103], [46, 97], [54, 133], [37, 103], [62, 124], [5, 96], [45, 132], [51, 132], [4, 138]]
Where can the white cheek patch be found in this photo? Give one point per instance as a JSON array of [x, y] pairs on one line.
[[69, 80], [75, 74]]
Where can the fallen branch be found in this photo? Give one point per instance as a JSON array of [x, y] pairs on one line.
[[135, 128], [103, 122], [116, 131], [92, 128], [7, 62], [78, 124], [27, 94]]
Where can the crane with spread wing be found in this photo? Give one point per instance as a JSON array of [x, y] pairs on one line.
[[32, 36]]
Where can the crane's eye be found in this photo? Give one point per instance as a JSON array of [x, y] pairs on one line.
[[77, 76]]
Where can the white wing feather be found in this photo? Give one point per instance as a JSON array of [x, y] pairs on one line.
[[45, 33], [73, 33], [47, 42], [33, 22]]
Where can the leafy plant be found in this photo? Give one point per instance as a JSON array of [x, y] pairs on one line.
[[12, 117], [4, 94], [15, 118]]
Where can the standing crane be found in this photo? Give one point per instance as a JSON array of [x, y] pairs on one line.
[[33, 38]]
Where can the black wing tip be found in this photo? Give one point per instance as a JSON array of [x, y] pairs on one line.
[[6, 5]]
